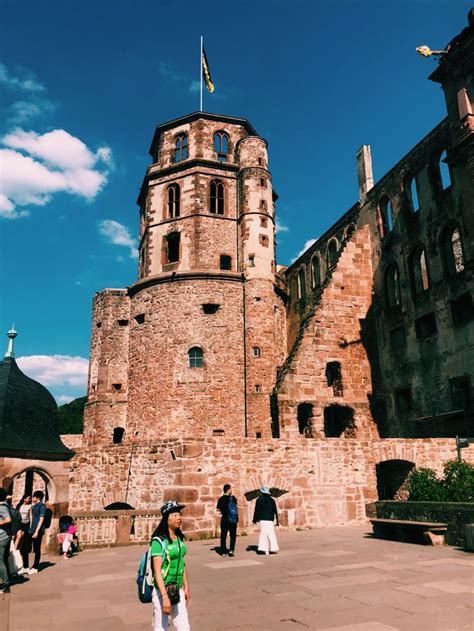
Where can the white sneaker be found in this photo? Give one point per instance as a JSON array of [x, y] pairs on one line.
[[32, 570], [22, 571]]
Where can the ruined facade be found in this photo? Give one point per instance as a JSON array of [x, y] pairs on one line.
[[366, 339]]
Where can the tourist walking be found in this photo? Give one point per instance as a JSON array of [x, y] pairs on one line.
[[23, 537], [171, 587], [37, 527], [265, 514], [227, 505], [5, 524]]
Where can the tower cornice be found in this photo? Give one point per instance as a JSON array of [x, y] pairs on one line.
[[175, 277]]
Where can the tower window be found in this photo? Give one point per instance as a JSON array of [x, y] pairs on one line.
[[221, 145], [173, 201], [256, 351], [225, 262], [257, 387], [195, 357], [263, 240], [140, 318], [263, 222], [172, 247], [260, 161], [419, 271], [216, 198], [117, 387], [262, 182], [251, 260], [263, 204], [118, 435], [181, 148], [334, 378], [122, 322], [210, 308], [392, 285]]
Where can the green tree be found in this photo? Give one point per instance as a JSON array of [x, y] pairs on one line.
[[424, 486], [459, 481], [71, 416]]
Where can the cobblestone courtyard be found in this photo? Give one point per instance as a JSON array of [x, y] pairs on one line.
[[333, 578]]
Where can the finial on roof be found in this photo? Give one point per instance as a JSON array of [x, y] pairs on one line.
[[12, 335]]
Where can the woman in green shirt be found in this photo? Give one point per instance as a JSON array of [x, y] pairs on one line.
[[167, 553]]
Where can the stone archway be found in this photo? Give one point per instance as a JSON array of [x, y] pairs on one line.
[[392, 476], [32, 479]]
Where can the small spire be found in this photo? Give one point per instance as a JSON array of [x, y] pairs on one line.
[[12, 335]]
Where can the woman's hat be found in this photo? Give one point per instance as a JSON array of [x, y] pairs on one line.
[[265, 489], [171, 506]]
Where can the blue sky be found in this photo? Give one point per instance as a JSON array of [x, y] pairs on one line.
[[82, 86]]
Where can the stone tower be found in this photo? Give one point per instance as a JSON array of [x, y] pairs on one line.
[[190, 349]]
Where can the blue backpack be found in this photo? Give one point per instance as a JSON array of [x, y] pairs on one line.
[[145, 574], [233, 513]]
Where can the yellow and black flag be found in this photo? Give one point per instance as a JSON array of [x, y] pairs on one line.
[[206, 73]]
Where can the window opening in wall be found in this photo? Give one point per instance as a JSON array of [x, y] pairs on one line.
[[263, 222], [260, 161], [392, 476], [258, 434], [216, 197], [403, 401], [195, 357], [99, 324], [225, 262], [413, 192], [256, 351], [262, 182], [444, 172], [140, 318], [221, 145], [339, 420], [419, 270], [174, 200], [118, 435], [117, 386], [304, 417], [462, 309], [172, 454], [210, 308], [122, 322], [460, 390], [301, 284], [386, 210], [263, 239], [181, 148], [251, 260], [172, 247], [263, 204], [218, 432], [257, 387], [392, 285], [349, 231], [397, 338], [316, 272], [334, 378], [332, 253], [426, 326], [452, 249]]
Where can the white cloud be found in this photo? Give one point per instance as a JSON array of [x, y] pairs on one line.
[[116, 233], [56, 370], [8, 210], [170, 73], [279, 227], [306, 245], [23, 111], [195, 87], [64, 398], [25, 84], [60, 163]]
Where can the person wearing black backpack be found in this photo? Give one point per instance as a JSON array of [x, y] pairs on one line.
[[5, 536], [38, 524], [227, 505]]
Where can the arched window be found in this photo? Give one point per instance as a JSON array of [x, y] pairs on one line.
[[392, 285], [195, 357], [440, 173], [419, 270], [216, 197], [332, 253], [301, 284], [386, 210], [349, 231], [316, 272], [452, 251], [118, 435], [174, 196], [411, 184], [181, 148], [221, 145]]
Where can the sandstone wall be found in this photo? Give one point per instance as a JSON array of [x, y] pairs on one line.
[[325, 482]]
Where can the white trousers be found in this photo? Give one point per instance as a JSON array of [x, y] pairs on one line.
[[179, 614], [267, 537]]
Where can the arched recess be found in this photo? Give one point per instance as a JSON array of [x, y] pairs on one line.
[[119, 506], [304, 417], [452, 250], [32, 479], [392, 476], [339, 421], [332, 252]]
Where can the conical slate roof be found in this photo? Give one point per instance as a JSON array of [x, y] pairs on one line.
[[29, 426]]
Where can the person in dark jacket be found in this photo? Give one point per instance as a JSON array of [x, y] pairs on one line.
[[227, 505], [265, 514]]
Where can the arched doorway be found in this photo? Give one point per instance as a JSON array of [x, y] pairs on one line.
[[29, 480], [391, 478]]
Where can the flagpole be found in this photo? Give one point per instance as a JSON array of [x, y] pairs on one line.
[[201, 73]]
